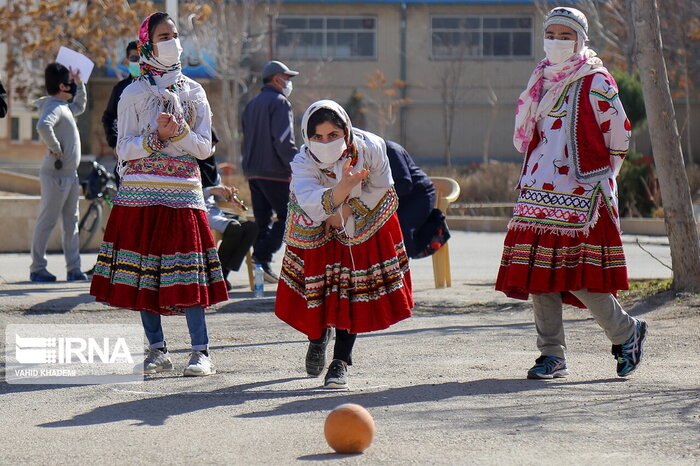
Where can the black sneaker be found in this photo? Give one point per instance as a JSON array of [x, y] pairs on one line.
[[337, 375], [316, 355], [629, 354]]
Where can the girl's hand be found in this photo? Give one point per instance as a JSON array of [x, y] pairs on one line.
[[167, 126], [350, 179], [333, 222]]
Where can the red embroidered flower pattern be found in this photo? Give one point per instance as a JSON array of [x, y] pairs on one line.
[[603, 105], [628, 125], [605, 126], [563, 170], [548, 186], [557, 124], [579, 190]]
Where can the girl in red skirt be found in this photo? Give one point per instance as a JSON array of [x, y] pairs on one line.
[[563, 243], [345, 265], [158, 255]]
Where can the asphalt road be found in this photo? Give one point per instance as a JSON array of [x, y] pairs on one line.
[[446, 386]]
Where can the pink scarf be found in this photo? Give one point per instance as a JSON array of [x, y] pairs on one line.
[[552, 80]]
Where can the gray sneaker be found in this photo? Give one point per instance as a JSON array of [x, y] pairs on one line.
[[156, 361], [337, 375], [199, 365], [316, 355]]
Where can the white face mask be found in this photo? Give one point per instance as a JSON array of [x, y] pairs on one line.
[[169, 52], [287, 88], [558, 50], [329, 152]]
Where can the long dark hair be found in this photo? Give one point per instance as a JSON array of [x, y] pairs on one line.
[[321, 116], [155, 20]]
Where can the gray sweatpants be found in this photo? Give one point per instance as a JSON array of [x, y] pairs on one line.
[[59, 197], [606, 311]]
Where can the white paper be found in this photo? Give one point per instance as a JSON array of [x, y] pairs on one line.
[[76, 61]]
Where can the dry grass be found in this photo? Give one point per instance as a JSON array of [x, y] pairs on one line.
[[483, 183]]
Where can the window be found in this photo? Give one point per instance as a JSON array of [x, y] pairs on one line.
[[14, 129], [319, 37], [481, 36], [35, 133]]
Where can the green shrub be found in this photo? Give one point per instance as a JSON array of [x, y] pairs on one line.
[[637, 187]]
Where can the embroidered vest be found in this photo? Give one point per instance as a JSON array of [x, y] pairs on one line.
[[589, 157]]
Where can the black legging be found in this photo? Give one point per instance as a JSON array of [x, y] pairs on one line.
[[344, 341]]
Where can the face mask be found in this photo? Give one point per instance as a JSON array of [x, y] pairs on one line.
[[73, 88], [169, 52], [329, 152], [134, 69], [287, 88], [558, 50]]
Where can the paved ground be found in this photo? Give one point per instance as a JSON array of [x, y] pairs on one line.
[[445, 387]]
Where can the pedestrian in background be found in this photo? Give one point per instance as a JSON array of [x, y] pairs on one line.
[[158, 255], [268, 149], [563, 243], [58, 175], [237, 235], [109, 117], [423, 226]]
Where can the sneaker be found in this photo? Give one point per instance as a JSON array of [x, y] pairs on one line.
[[548, 367], [337, 375], [268, 275], [316, 355], [156, 361], [629, 354], [76, 275], [199, 365], [42, 276]]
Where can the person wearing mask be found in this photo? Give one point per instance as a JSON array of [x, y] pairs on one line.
[[109, 117], [345, 265], [60, 186], [158, 255], [563, 243], [268, 149]]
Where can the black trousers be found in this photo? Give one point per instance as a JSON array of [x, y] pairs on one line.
[[236, 241], [344, 342], [269, 196]]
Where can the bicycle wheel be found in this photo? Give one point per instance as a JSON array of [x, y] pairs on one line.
[[89, 225]]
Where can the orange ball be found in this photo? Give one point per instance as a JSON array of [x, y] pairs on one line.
[[349, 428]]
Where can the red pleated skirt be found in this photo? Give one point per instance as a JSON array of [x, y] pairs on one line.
[[158, 259], [328, 287], [544, 262]]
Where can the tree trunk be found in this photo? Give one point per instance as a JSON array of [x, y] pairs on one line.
[[666, 144]]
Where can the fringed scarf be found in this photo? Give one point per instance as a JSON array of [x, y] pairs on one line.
[[163, 82]]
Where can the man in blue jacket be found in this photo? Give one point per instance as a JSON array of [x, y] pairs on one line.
[[268, 149]]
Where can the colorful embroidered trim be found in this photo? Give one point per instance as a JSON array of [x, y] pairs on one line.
[[152, 143], [365, 285], [161, 180], [358, 207], [327, 202], [562, 211], [607, 257], [151, 272]]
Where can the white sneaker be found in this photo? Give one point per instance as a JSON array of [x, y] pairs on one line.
[[199, 365], [156, 361]]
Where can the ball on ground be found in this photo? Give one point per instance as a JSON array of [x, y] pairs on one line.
[[349, 428]]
